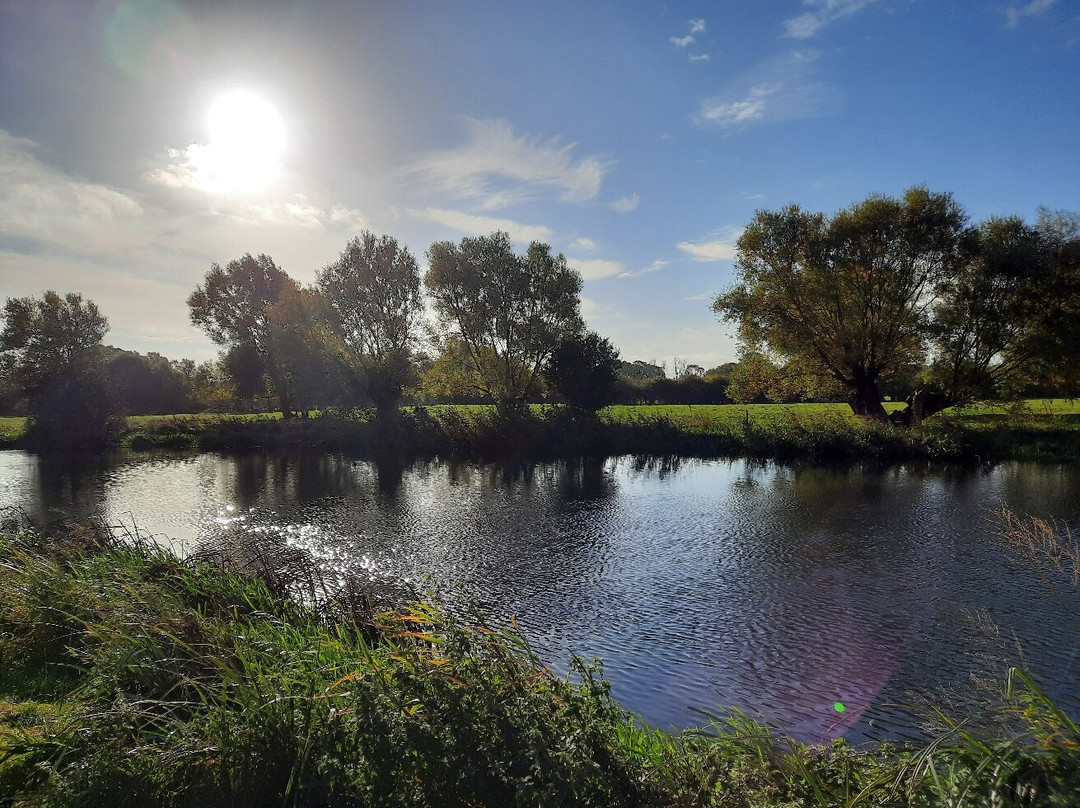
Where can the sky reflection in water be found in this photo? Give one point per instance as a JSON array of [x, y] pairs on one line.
[[784, 591]]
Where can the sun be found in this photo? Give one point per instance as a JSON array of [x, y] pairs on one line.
[[247, 139]]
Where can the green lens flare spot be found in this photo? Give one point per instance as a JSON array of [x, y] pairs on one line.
[[839, 706]]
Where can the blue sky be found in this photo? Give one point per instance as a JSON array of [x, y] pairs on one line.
[[637, 138]]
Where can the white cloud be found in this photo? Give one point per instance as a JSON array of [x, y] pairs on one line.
[[494, 153], [1016, 14], [730, 112], [699, 57], [41, 204], [139, 253], [626, 204], [807, 25], [681, 42], [718, 246], [482, 225], [582, 243], [347, 217], [779, 89], [593, 269], [655, 266]]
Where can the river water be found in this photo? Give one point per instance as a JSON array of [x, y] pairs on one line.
[[828, 602]]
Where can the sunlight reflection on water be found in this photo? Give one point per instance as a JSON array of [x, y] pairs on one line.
[[781, 590]]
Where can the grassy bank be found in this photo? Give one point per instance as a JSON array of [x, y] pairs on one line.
[[130, 678], [1037, 430]]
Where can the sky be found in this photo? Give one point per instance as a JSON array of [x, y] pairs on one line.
[[143, 140]]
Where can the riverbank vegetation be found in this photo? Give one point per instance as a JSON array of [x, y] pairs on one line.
[[1034, 430], [130, 677]]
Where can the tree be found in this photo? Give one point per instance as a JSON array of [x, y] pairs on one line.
[[233, 308], [509, 311], [584, 369], [639, 371], [986, 308], [1009, 318], [452, 376], [146, 384], [847, 299], [756, 379], [308, 353], [53, 350], [1054, 332], [374, 289], [209, 384]]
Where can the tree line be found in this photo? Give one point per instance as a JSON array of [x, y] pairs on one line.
[[898, 297], [907, 290], [506, 327]]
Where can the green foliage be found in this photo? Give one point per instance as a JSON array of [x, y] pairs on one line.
[[148, 384], [193, 686], [451, 376], [844, 299], [131, 678], [374, 290], [583, 369], [313, 368], [233, 308], [508, 311], [53, 349], [992, 312]]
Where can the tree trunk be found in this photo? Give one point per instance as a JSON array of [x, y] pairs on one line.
[[865, 399], [921, 404]]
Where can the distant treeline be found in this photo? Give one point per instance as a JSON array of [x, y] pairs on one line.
[[900, 299]]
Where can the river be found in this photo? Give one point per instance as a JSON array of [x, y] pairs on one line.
[[827, 601]]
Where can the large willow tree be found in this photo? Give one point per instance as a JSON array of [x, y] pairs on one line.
[[374, 289], [508, 312], [846, 300]]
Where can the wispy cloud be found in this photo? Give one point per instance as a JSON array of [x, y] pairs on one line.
[[655, 266], [140, 251], [482, 225], [593, 269], [500, 167], [685, 41], [626, 204], [582, 243], [717, 246], [784, 88], [809, 24], [699, 57], [40, 204], [1014, 15]]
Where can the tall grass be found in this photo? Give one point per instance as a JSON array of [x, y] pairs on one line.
[[131, 678]]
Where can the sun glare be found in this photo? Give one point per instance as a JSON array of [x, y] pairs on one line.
[[247, 138]]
